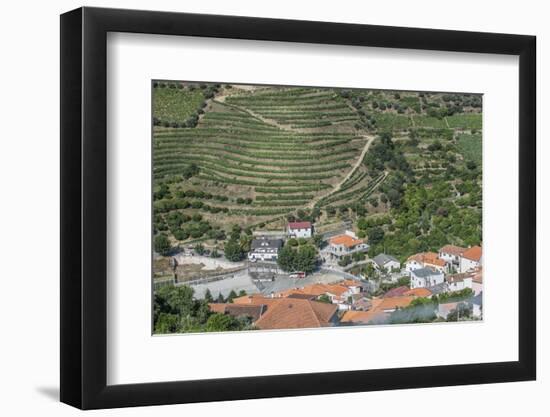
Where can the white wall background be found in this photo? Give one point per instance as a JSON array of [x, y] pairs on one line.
[[29, 219]]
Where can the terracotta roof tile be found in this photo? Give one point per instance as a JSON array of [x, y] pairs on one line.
[[288, 313], [345, 240], [419, 292], [473, 253], [452, 249], [299, 225], [430, 258]]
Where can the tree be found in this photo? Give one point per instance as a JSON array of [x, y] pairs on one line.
[[461, 312], [435, 146], [220, 298], [376, 235], [306, 258], [324, 299], [232, 295], [162, 244], [302, 258], [220, 323], [345, 260], [166, 323], [208, 296], [286, 258], [199, 249], [358, 256], [318, 241], [233, 251]]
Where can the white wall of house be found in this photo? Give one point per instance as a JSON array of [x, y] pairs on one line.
[[449, 258], [468, 264], [412, 265], [392, 265], [267, 256], [460, 285], [342, 250], [298, 233], [429, 281]]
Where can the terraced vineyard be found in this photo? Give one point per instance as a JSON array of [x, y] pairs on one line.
[[253, 156]]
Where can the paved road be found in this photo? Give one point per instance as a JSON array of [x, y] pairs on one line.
[[242, 281]]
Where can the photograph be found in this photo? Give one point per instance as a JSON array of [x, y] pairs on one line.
[[295, 207]]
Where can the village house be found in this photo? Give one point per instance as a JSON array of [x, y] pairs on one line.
[[397, 291], [381, 309], [451, 254], [458, 282], [438, 288], [340, 293], [299, 230], [293, 313], [426, 277], [387, 262], [470, 259], [425, 260], [477, 280], [346, 244], [253, 311], [264, 249]]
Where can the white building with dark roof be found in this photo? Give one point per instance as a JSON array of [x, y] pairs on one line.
[[426, 277], [263, 249], [388, 262]]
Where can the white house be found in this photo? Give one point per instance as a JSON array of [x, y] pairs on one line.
[[264, 249], [346, 244], [388, 262], [426, 277], [451, 255], [425, 260], [477, 281], [299, 229], [470, 259], [457, 282]]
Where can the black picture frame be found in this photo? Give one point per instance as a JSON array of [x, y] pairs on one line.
[[84, 207]]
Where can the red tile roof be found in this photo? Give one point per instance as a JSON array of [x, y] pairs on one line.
[[363, 317], [299, 225], [453, 250], [253, 311], [473, 253], [289, 313], [345, 240], [430, 258], [419, 292], [396, 292]]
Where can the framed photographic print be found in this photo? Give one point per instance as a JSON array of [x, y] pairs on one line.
[[257, 208]]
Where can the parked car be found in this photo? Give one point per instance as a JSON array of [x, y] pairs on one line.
[[299, 274]]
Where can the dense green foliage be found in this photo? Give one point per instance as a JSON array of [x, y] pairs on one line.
[[176, 311], [174, 105], [297, 258]]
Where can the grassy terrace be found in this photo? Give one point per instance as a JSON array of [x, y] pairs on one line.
[[299, 108], [255, 155], [175, 104], [281, 169]]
